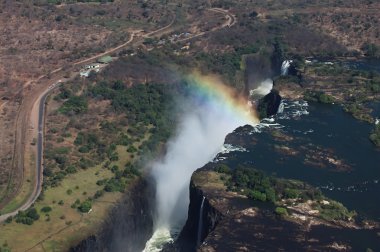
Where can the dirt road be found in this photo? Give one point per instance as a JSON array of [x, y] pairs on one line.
[[31, 112], [231, 20]]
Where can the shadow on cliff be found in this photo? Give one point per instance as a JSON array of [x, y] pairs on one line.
[[130, 223]]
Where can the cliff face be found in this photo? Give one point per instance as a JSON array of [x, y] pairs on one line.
[[269, 104], [129, 226], [232, 222], [196, 229]]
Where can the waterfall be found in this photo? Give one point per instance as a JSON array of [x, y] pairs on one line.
[[211, 110], [281, 108], [285, 67], [200, 222]]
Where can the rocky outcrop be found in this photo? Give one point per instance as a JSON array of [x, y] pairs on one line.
[[232, 222], [269, 104], [129, 226], [191, 233]]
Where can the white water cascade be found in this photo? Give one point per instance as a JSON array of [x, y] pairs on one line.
[[285, 67], [200, 222], [199, 138], [281, 107]]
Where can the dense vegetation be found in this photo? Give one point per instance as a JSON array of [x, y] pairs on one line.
[[320, 97], [75, 104], [144, 122], [147, 112], [27, 217], [258, 186], [354, 88], [226, 64]]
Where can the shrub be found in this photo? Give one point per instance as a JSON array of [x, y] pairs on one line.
[[291, 193], [9, 219], [281, 211], [223, 168], [75, 104], [71, 169], [84, 149], [114, 185], [270, 195], [46, 209], [256, 195], [335, 211], [98, 194], [318, 97], [27, 217], [85, 207], [132, 149]]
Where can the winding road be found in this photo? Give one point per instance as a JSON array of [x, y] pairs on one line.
[[34, 106], [231, 20], [36, 101]]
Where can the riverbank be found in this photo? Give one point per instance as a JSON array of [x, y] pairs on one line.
[[233, 222]]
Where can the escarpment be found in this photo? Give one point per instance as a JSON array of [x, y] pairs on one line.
[[232, 221], [130, 223]]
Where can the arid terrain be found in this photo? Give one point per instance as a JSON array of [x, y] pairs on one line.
[[49, 41], [45, 45]]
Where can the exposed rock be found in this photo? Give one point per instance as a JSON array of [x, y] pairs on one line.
[[269, 104], [232, 222], [129, 226]]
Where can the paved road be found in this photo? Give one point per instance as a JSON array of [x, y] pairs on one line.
[[22, 125], [23, 120], [39, 165]]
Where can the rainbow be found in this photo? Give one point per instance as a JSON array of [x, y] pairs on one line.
[[211, 91]]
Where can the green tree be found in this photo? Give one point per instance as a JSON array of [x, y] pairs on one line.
[[281, 211], [256, 195], [46, 209], [85, 206]]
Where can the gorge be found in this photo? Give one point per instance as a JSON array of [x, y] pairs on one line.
[[218, 216], [215, 111]]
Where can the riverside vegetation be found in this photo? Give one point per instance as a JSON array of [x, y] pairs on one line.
[[258, 186], [99, 130]]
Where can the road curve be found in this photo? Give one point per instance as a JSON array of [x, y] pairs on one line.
[[231, 20], [40, 102], [40, 141]]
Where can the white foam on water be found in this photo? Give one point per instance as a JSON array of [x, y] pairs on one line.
[[359, 187], [160, 237], [227, 148], [289, 110], [281, 108]]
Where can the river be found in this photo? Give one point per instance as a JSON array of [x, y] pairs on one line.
[[324, 146]]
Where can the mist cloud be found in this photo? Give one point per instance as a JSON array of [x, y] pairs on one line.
[[200, 136]]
